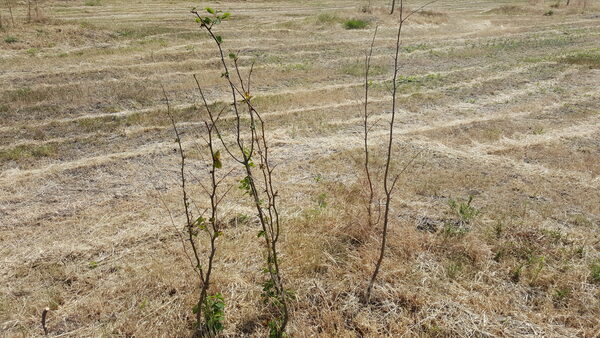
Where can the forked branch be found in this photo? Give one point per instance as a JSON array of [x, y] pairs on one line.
[[207, 322]]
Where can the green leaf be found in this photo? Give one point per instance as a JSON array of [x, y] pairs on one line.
[[245, 185], [225, 15], [200, 223], [198, 20], [196, 308], [214, 314], [217, 160], [232, 56], [261, 233], [210, 10], [248, 154], [219, 39]]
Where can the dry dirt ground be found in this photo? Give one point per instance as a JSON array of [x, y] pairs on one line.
[[500, 101]]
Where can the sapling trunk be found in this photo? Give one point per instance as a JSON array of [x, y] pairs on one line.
[[12, 18], [388, 186], [366, 128], [389, 182]]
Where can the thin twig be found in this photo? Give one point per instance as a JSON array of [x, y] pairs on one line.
[[366, 133], [44, 314]]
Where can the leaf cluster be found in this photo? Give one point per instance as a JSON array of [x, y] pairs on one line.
[[214, 17]]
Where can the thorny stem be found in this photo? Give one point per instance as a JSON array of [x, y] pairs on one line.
[[186, 201], [214, 201], [268, 215], [214, 231]]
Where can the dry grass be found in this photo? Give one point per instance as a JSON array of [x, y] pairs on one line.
[[503, 107], [512, 10]]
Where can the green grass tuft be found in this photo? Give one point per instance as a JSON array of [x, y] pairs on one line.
[[355, 24], [92, 3], [10, 39], [595, 272], [358, 69], [589, 59], [28, 151]]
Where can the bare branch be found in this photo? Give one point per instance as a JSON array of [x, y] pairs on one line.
[[389, 184], [417, 10], [366, 133]]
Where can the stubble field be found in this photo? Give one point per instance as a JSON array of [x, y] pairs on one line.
[[499, 101]]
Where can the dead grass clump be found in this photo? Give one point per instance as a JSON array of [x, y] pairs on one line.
[[510, 10], [567, 6], [577, 3], [328, 303], [309, 251], [469, 249], [353, 230], [575, 154], [327, 19], [430, 17]]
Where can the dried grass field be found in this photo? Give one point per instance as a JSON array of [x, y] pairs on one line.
[[498, 100]]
